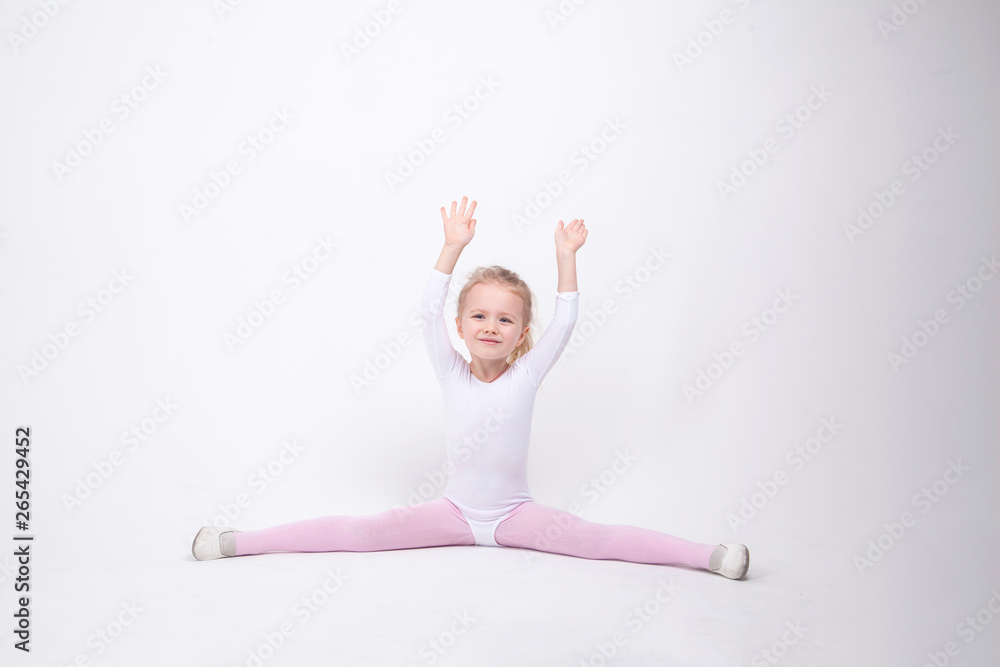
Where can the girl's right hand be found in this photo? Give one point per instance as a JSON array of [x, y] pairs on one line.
[[459, 227]]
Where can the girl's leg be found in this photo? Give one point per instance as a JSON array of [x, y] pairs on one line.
[[534, 526], [432, 524]]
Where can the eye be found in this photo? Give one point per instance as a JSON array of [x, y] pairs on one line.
[[505, 319]]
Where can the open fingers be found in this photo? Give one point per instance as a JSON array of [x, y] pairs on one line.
[[460, 211]]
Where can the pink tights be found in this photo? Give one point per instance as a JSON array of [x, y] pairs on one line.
[[440, 523]]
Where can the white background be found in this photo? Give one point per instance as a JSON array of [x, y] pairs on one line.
[[557, 81]]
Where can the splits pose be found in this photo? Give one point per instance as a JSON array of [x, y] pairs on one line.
[[488, 408]]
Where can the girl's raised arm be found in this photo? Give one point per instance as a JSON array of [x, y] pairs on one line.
[[459, 228], [568, 241]]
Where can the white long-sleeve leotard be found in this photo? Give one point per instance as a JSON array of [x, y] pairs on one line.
[[488, 424]]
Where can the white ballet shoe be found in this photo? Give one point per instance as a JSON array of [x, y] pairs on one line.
[[209, 544], [733, 562]]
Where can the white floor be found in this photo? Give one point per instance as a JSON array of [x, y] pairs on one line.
[[129, 592], [453, 605]]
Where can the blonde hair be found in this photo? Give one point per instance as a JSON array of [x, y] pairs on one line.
[[505, 279]]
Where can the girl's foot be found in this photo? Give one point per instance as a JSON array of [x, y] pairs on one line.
[[209, 543], [730, 560]]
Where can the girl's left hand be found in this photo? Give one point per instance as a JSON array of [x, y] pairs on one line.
[[572, 236]]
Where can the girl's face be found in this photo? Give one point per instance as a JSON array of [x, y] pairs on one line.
[[491, 314]]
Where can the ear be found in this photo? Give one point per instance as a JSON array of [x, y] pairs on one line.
[[523, 334], [458, 325]]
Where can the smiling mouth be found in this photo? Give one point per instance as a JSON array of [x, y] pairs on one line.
[[488, 341]]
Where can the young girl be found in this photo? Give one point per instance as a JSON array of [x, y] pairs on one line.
[[488, 408]]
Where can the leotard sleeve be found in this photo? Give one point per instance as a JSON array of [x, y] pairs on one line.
[[442, 353], [543, 355]]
